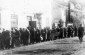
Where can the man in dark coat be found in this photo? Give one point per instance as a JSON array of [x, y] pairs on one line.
[[65, 32], [48, 35], [44, 35], [6, 36], [80, 33], [52, 34], [15, 38], [21, 36], [37, 35], [1, 42], [25, 37], [72, 31], [61, 33], [75, 31], [32, 37], [69, 31]]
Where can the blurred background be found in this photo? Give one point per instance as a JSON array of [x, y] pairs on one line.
[[41, 13]]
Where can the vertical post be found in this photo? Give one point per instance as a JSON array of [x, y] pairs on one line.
[[10, 32], [69, 18], [0, 19], [10, 37]]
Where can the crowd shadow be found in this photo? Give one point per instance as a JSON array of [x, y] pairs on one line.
[[39, 51]]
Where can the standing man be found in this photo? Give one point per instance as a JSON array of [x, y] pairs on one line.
[[65, 32], [32, 35], [44, 35], [75, 30], [21, 35], [6, 38], [15, 38], [1, 41], [80, 33]]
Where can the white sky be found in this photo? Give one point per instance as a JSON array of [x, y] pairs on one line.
[[30, 5], [26, 5]]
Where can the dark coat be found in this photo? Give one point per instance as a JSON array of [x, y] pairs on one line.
[[80, 31]]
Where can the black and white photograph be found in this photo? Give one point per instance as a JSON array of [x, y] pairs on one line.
[[42, 27]]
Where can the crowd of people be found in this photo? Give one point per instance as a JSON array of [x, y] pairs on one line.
[[27, 36]]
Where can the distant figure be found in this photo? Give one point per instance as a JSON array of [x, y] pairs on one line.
[[80, 33]]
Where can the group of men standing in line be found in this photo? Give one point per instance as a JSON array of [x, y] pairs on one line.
[[21, 37]]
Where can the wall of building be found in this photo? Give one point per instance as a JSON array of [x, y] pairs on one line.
[[58, 12], [50, 12]]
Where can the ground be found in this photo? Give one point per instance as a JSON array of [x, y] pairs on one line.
[[67, 46]]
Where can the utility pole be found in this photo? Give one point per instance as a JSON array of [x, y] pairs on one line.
[[68, 14], [69, 17]]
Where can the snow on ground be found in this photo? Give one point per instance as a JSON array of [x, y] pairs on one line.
[[67, 46]]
